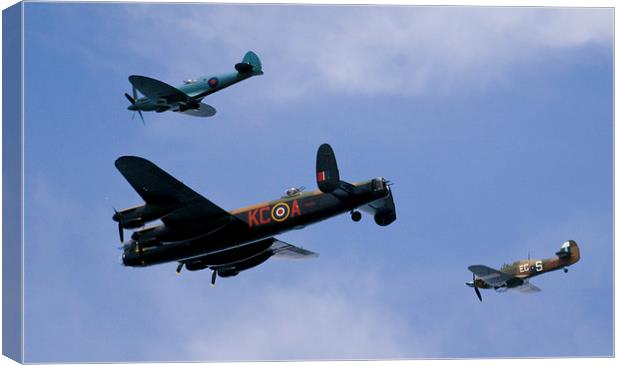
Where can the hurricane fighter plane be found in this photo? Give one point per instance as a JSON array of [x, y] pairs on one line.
[[516, 275], [187, 98], [199, 235]]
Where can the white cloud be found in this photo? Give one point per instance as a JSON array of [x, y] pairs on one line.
[[372, 50], [317, 317]]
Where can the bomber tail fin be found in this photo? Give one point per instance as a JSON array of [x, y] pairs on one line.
[[327, 175], [250, 64]]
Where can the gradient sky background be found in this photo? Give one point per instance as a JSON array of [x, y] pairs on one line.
[[494, 123]]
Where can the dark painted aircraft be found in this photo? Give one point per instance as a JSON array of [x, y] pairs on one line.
[[187, 98], [199, 235], [516, 275]]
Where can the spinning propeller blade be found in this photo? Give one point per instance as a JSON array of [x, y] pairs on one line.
[[119, 216], [132, 99], [476, 288], [120, 232], [478, 293]]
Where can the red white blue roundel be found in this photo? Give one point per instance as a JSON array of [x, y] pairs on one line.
[[280, 212], [213, 82]]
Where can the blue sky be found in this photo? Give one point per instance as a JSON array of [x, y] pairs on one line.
[[494, 123]]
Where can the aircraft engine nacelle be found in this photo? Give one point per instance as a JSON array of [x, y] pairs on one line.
[[227, 272], [385, 217], [138, 216], [157, 234], [233, 270], [131, 224], [195, 266]]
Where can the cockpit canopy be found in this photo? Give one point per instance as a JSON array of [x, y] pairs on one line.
[[379, 184], [294, 191]]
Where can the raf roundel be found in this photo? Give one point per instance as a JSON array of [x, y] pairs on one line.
[[280, 212], [213, 82]]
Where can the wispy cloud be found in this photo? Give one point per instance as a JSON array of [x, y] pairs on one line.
[[369, 50], [315, 318]]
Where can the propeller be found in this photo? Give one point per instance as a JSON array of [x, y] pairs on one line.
[[132, 100], [476, 288], [119, 217], [124, 247], [213, 277]]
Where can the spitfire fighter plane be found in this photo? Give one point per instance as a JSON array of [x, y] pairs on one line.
[[199, 235], [516, 275], [187, 98]]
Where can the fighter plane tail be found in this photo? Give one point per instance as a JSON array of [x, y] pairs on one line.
[[250, 64], [569, 250]]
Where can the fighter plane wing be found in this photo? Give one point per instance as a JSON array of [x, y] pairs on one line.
[[489, 275], [205, 110], [157, 187], [287, 251], [156, 90], [527, 287]]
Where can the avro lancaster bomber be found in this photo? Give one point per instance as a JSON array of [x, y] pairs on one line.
[[199, 235]]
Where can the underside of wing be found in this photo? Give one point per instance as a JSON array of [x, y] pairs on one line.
[[287, 251], [231, 260], [489, 275], [157, 187], [203, 111], [157, 90], [527, 287]]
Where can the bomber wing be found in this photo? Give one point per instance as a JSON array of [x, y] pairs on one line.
[[247, 251], [489, 275], [157, 90], [157, 187], [287, 251]]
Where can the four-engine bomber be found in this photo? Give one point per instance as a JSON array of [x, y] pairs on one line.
[[199, 235]]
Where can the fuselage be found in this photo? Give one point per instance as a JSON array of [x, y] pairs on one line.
[[257, 222], [197, 88], [523, 270]]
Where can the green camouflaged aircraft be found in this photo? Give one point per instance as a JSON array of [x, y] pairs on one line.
[[516, 275], [199, 235], [187, 98]]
